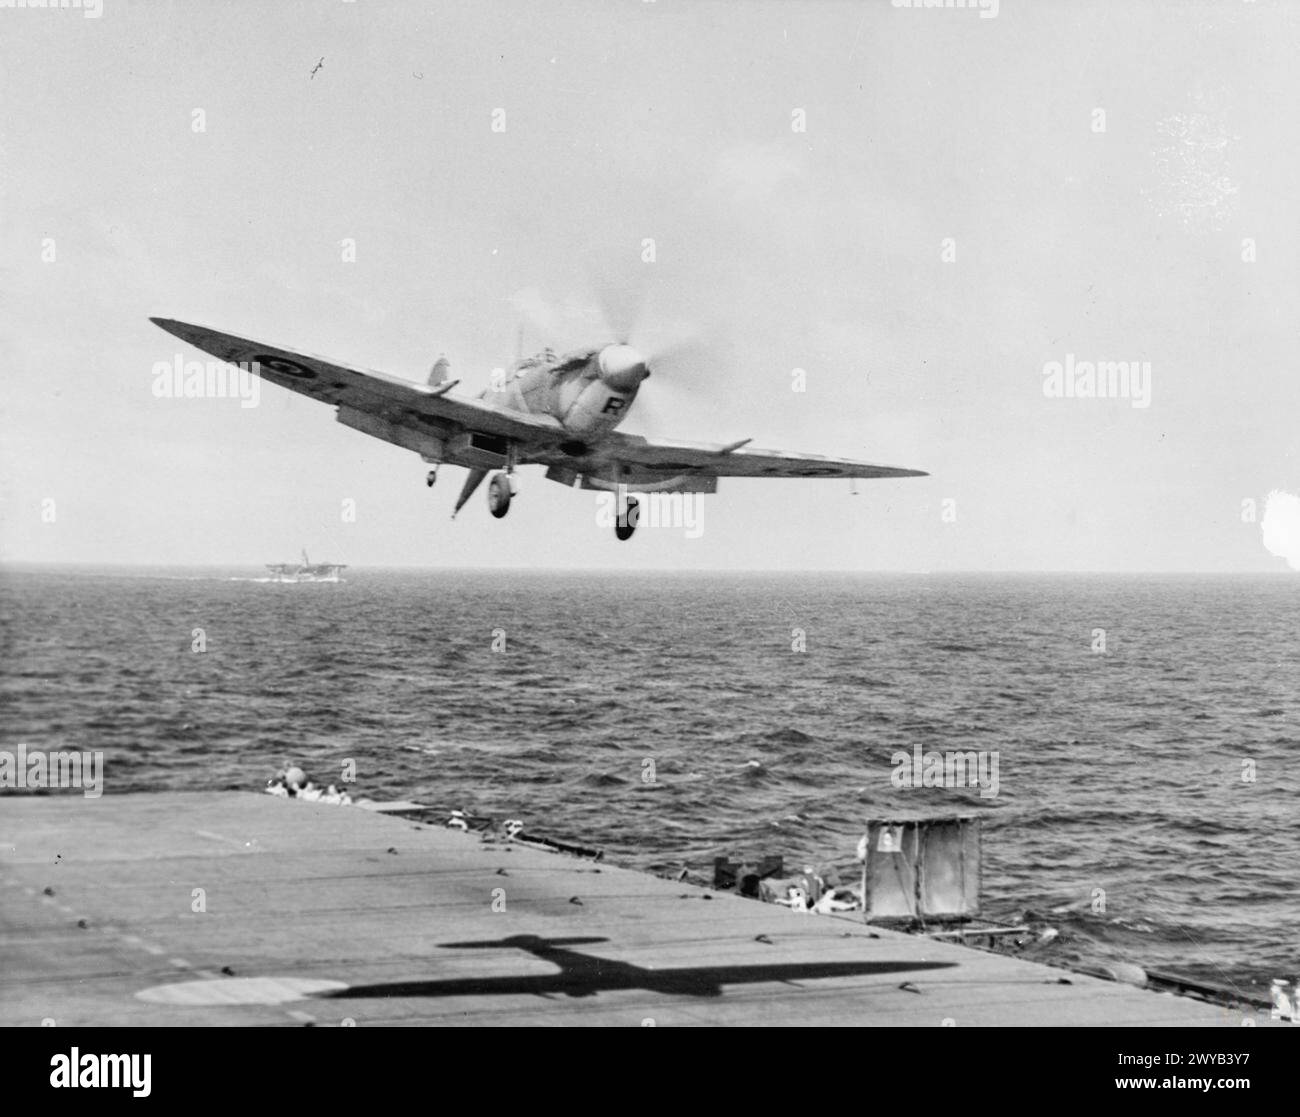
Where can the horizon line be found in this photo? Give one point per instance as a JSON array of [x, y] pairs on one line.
[[84, 564]]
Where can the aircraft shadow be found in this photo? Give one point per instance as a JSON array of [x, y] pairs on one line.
[[584, 975]]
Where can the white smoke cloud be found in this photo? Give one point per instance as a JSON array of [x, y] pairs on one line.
[[1280, 527]]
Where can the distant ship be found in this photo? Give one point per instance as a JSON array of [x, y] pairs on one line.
[[305, 571]]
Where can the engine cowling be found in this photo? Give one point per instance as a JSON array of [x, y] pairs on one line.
[[597, 409]]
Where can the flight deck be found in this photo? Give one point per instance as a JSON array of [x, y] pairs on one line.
[[242, 909]]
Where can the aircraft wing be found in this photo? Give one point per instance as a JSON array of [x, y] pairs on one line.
[[388, 397], [672, 459]]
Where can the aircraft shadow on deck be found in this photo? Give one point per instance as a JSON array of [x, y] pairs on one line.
[[584, 975]]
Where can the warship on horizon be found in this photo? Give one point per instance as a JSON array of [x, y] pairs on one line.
[[305, 571]]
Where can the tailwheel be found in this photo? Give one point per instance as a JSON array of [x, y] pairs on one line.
[[625, 525], [499, 495], [431, 477]]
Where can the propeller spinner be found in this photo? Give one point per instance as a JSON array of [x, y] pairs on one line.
[[622, 368]]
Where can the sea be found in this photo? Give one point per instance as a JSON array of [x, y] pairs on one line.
[[1146, 728]]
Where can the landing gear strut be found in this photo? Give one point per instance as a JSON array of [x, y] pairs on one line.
[[499, 495], [625, 525]]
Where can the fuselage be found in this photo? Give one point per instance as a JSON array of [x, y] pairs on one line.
[[589, 391]]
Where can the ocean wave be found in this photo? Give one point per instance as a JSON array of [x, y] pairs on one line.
[[1119, 772]]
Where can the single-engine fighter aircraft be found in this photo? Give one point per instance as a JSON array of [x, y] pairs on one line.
[[557, 411]]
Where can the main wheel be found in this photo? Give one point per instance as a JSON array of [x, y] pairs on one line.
[[499, 495], [625, 525]]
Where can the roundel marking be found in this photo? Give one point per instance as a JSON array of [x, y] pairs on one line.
[[286, 367]]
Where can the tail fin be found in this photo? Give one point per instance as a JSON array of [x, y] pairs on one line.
[[440, 371]]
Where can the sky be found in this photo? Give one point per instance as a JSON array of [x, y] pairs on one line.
[[925, 210]]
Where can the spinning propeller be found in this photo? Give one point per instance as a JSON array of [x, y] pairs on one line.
[[639, 344]]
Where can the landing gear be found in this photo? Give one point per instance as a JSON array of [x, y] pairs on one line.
[[431, 477], [625, 525], [499, 495]]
